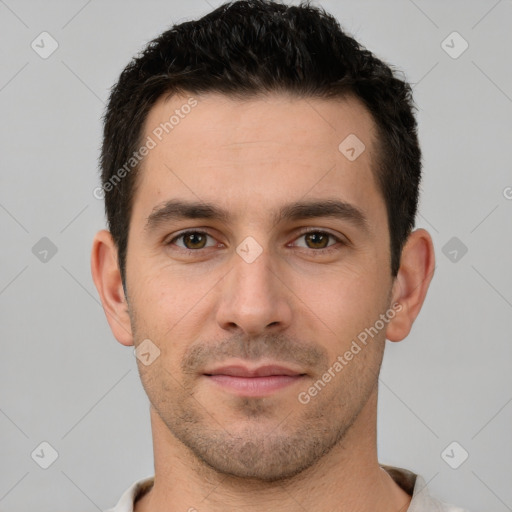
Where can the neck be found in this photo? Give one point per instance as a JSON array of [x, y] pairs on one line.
[[348, 478]]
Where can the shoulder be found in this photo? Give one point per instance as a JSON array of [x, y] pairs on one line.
[[130, 496], [416, 487], [446, 507], [423, 501]]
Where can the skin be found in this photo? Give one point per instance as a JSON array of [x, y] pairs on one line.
[[300, 303]]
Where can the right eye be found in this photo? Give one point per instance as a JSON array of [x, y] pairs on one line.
[[192, 240]]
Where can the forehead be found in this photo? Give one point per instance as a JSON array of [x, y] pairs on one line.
[[254, 154]]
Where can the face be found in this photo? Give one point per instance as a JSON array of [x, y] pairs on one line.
[[258, 252]]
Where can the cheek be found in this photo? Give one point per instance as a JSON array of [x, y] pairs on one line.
[[166, 297], [172, 313], [342, 304], [350, 285]]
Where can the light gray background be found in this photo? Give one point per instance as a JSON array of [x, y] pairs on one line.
[[66, 381]]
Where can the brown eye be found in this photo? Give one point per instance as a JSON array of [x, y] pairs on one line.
[[320, 242], [317, 240], [193, 240]]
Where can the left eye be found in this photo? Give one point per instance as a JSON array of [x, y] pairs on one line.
[[193, 240], [317, 240]]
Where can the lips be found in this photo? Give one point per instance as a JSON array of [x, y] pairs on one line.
[[262, 371], [253, 382]]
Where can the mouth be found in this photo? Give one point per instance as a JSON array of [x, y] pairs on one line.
[[256, 382]]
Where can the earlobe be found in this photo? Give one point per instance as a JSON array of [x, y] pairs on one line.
[[107, 278], [410, 287]]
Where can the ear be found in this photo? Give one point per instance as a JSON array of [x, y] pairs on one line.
[[107, 278], [410, 287]]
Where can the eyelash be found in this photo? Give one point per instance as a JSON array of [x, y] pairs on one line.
[[325, 250]]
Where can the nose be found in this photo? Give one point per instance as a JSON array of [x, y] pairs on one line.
[[253, 298]]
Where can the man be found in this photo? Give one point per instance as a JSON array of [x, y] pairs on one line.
[[261, 172]]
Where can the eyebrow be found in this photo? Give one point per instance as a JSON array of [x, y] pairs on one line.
[[177, 209]]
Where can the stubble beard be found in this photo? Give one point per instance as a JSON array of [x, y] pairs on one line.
[[271, 440], [267, 443]]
